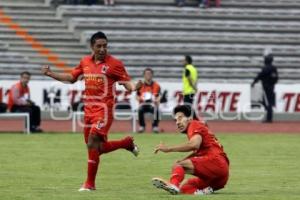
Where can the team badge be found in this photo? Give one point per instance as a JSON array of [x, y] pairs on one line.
[[104, 69]]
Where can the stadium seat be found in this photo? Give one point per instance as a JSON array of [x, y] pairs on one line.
[[142, 33]]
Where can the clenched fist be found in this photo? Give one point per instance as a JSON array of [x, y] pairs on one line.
[[46, 70]]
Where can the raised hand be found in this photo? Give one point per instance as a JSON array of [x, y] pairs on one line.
[[46, 70]]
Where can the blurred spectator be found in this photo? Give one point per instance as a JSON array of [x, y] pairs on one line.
[[201, 3], [19, 101], [189, 79], [148, 97], [109, 2], [217, 2], [90, 2], [269, 77], [3, 107], [180, 3], [73, 2], [76, 2], [76, 106]]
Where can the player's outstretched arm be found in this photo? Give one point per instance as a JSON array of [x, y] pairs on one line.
[[192, 145], [131, 86], [58, 76]]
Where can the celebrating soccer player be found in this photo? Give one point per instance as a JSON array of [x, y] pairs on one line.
[[208, 162], [100, 72]]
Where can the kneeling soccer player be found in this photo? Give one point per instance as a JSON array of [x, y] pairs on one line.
[[208, 162]]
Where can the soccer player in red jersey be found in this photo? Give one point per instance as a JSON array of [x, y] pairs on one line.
[[208, 162], [100, 72]]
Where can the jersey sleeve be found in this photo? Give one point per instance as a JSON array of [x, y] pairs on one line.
[[77, 71], [196, 129], [119, 72]]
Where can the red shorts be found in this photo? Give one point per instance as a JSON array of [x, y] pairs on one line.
[[212, 170], [97, 123]]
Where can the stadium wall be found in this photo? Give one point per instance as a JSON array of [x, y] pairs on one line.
[[212, 97]]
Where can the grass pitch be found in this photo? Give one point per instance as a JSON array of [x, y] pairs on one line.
[[53, 166]]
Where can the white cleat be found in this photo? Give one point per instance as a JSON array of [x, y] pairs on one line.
[[162, 184], [205, 191], [82, 189], [86, 188], [135, 151]]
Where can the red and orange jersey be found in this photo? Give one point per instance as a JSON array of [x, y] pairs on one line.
[[148, 91], [18, 95], [209, 145], [100, 79]]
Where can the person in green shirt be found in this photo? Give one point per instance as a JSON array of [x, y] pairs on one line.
[[189, 79]]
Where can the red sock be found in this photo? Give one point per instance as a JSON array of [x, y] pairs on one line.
[[188, 189], [93, 163], [177, 175], [192, 185], [110, 146]]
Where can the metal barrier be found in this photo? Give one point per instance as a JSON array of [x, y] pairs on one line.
[[19, 115]]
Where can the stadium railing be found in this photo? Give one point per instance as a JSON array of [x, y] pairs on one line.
[[19, 115]]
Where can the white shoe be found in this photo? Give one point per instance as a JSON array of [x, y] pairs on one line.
[[162, 184], [141, 129], [82, 189], [204, 191], [135, 151], [86, 188], [155, 129]]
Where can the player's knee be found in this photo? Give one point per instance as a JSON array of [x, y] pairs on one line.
[[186, 164], [92, 142], [90, 145]]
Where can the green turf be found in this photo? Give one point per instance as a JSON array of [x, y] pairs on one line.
[[53, 166]]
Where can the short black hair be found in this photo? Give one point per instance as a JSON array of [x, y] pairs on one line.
[[185, 109], [188, 59], [25, 73], [148, 69], [96, 36]]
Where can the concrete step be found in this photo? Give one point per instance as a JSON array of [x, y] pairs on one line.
[[40, 31], [138, 36], [57, 50], [178, 13], [33, 12], [34, 25], [66, 44], [177, 27], [23, 6], [40, 19], [41, 38], [224, 3], [22, 1]]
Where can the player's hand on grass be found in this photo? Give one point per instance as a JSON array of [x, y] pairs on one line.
[[46, 70], [161, 147]]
